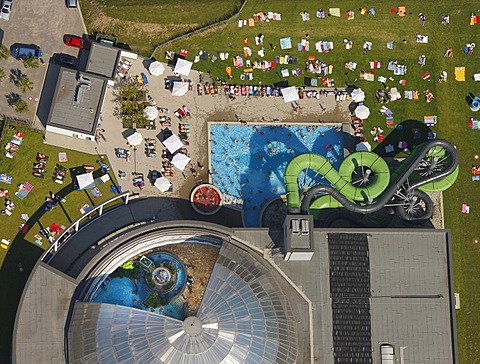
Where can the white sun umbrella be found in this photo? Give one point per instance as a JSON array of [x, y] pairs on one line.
[[173, 143], [156, 68], [183, 67], [363, 147], [162, 184], [362, 112], [358, 95], [85, 180], [150, 112], [290, 94], [179, 88], [135, 139], [180, 161]]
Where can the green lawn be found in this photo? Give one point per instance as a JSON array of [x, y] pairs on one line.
[[143, 24], [23, 250], [20, 168], [449, 104]]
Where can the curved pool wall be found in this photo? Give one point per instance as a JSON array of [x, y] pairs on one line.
[[247, 163]]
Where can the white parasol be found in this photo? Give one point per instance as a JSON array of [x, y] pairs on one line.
[[156, 68], [180, 161], [183, 67], [85, 180], [362, 112], [135, 139], [173, 143], [179, 88], [162, 184], [290, 94], [363, 147], [150, 112], [358, 95]]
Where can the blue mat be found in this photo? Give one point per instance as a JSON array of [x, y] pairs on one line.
[[116, 189]]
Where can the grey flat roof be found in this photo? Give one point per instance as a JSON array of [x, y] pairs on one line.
[[411, 294], [77, 116], [40, 329], [102, 60]]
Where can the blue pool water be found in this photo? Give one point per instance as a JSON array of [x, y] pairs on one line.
[[248, 162], [125, 292]]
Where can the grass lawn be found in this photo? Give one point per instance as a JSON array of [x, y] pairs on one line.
[[20, 168], [143, 24], [449, 104], [23, 249]]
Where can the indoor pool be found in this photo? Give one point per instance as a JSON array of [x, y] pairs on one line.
[[248, 162], [124, 291]]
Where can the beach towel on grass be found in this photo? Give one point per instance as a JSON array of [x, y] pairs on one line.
[[286, 43], [334, 12], [460, 74]]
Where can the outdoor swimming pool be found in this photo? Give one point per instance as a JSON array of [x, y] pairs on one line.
[[248, 162], [124, 291]]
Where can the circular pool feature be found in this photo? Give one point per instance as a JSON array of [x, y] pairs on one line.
[[206, 199], [161, 276]]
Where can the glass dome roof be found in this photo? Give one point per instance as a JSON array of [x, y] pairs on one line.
[[244, 317]]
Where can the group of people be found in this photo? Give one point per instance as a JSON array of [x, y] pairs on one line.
[[357, 125], [9, 206], [378, 134]]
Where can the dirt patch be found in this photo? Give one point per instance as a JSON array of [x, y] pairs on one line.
[[199, 260]]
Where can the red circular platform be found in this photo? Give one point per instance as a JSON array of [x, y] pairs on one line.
[[206, 199]]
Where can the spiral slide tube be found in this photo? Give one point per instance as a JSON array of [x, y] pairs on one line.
[[360, 199]]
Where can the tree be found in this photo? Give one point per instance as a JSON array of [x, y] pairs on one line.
[[132, 103], [24, 83], [20, 106], [4, 52], [128, 265], [30, 62]]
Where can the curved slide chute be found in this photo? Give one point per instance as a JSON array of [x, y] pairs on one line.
[[381, 187]]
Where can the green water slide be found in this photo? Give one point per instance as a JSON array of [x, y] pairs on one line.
[[341, 179], [431, 167]]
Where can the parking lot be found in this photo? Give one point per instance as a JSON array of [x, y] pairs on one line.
[[43, 23]]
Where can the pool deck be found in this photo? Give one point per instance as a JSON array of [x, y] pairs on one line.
[[203, 109]]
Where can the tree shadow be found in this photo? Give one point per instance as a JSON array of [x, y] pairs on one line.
[[12, 98], [15, 75]]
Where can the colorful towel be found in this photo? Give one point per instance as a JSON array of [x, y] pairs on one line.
[[6, 179], [286, 43], [460, 74], [62, 157]]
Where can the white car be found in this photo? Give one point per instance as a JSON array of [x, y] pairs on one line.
[[6, 9]]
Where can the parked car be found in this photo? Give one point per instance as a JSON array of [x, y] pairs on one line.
[[25, 50], [65, 60], [71, 3], [6, 10], [76, 42]]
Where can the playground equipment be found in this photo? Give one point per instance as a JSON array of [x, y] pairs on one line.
[[364, 183]]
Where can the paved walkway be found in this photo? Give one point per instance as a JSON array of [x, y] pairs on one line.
[[203, 109]]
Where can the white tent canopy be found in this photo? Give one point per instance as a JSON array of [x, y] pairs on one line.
[[150, 112], [183, 67], [156, 68], [363, 147], [173, 143], [85, 180], [358, 95], [162, 184], [135, 139], [290, 94], [180, 161], [179, 88], [362, 112]]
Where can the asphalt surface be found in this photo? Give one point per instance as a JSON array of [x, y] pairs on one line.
[[43, 23]]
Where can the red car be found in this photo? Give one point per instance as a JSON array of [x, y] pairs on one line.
[[76, 42]]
